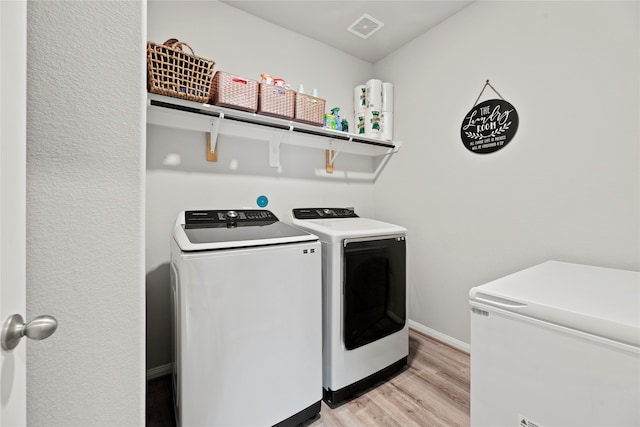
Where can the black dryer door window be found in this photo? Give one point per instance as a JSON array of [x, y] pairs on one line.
[[374, 287]]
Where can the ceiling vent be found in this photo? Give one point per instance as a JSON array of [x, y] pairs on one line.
[[365, 26]]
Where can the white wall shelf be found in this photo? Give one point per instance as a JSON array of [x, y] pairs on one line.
[[214, 120]]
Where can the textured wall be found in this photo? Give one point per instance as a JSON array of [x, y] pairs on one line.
[[85, 205], [566, 186]]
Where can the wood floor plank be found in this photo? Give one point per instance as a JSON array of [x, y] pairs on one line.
[[404, 406], [372, 414], [432, 391], [434, 401]]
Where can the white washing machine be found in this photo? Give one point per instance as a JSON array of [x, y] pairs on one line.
[[246, 292], [365, 332]]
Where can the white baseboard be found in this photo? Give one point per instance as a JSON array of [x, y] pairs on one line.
[[455, 343], [159, 371]]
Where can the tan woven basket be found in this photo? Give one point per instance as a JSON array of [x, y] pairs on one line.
[[173, 72], [232, 91], [276, 101], [309, 109]]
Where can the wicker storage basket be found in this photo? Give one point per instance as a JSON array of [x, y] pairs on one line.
[[276, 101], [173, 72], [309, 109], [232, 91]]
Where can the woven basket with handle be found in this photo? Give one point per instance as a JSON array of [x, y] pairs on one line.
[[174, 72]]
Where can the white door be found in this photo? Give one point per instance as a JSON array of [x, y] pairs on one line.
[[13, 112]]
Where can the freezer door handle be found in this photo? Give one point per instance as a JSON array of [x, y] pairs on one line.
[[497, 301]]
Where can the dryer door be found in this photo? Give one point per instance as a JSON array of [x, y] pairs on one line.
[[374, 289]]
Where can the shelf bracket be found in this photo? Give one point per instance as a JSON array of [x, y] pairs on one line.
[[397, 146], [332, 155], [212, 139], [385, 159], [274, 150]]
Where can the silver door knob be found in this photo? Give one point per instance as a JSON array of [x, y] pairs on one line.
[[38, 329]]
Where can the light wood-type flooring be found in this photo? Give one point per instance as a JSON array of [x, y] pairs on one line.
[[433, 390]]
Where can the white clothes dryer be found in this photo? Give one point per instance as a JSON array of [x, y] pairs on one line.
[[246, 291], [365, 333]]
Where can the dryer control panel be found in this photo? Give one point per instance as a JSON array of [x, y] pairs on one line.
[[222, 218], [321, 213]]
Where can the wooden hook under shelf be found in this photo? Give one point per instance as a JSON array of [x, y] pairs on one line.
[[212, 156], [212, 138], [329, 160]]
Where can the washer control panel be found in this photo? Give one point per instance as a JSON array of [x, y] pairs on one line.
[[222, 218], [321, 213]]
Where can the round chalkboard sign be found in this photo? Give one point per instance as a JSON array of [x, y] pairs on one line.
[[489, 126]]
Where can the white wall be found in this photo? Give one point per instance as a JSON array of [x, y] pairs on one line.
[[85, 207], [565, 188], [247, 46]]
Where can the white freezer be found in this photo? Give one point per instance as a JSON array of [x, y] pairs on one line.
[[557, 344]]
